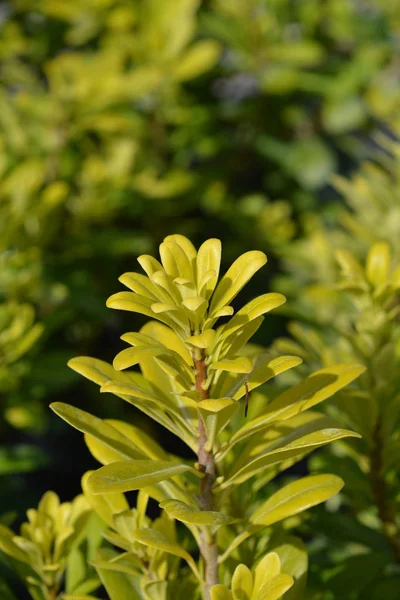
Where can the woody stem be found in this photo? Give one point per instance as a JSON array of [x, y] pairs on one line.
[[208, 541]]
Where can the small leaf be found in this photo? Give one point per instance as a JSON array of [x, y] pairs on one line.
[[97, 428], [276, 587], [156, 539], [194, 516], [308, 393], [242, 583], [105, 505], [208, 261], [254, 309], [198, 59], [215, 405], [124, 476], [204, 340], [175, 261], [9, 547], [297, 497], [268, 568], [220, 592], [241, 364], [236, 278], [378, 264]]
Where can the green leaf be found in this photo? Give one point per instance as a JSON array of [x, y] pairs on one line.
[[198, 59], [254, 309], [264, 369], [119, 586], [293, 557], [292, 445], [220, 592], [156, 539], [268, 568], [276, 587], [378, 264], [308, 393], [208, 264], [296, 497], [9, 547], [242, 583], [124, 476], [93, 369], [175, 260], [105, 505], [204, 340], [132, 356], [236, 278], [241, 364], [97, 428], [194, 516]]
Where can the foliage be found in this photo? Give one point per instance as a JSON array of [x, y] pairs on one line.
[[193, 377], [46, 547], [346, 316], [124, 119]]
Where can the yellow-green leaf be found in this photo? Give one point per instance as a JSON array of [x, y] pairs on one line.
[[241, 364], [194, 516], [275, 588], [254, 309], [200, 57], [306, 394], [124, 476], [203, 340], [268, 568], [236, 278], [215, 405], [97, 428], [296, 497], [378, 264], [106, 505], [208, 264], [156, 539], [220, 592], [283, 451], [242, 583]]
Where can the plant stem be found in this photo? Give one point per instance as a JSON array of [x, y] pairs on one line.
[[208, 541], [52, 593], [387, 514]]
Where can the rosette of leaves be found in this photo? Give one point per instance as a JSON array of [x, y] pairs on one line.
[[366, 328], [267, 583], [195, 379], [40, 554]]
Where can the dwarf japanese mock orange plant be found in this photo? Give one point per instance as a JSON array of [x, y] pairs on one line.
[[195, 379]]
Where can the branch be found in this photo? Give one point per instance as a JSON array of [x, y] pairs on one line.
[[208, 541], [387, 514]]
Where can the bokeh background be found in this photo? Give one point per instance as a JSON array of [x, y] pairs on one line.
[[271, 124]]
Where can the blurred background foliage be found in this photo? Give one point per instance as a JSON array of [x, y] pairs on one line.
[[271, 124]]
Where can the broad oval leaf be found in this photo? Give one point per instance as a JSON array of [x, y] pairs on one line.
[[276, 587], [124, 476], [242, 583], [194, 516], [296, 497]]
